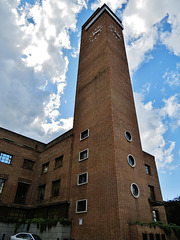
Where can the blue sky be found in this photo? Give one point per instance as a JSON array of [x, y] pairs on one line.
[[39, 48]]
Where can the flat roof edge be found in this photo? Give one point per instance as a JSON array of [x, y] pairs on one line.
[[90, 21]]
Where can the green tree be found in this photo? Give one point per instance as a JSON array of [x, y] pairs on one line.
[[173, 211]]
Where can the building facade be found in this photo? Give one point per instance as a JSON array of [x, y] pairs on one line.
[[96, 174]]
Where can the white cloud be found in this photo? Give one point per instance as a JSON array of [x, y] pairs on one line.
[[172, 110], [31, 60], [143, 26], [172, 78], [111, 4], [153, 126]]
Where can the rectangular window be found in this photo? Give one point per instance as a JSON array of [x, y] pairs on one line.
[[151, 236], [81, 206], [82, 178], [155, 215], [28, 164], [157, 236], [55, 188], [21, 193], [163, 237], [1, 185], [83, 155], [84, 134], [41, 192], [5, 158], [151, 193], [148, 171], [58, 161], [144, 236], [45, 168]]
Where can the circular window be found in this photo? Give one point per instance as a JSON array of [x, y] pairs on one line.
[[128, 136], [131, 160], [135, 190]]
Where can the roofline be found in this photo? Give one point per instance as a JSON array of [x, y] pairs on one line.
[[97, 14]]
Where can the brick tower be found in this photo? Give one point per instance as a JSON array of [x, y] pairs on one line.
[[113, 182]]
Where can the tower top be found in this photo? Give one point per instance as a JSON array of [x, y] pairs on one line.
[[98, 13]]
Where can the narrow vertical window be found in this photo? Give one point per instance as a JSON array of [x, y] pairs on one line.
[[144, 236], [151, 193], [84, 134], [83, 155], [163, 237], [21, 193], [1, 185], [157, 236], [41, 192], [45, 168], [55, 188], [151, 236], [155, 215], [147, 168]]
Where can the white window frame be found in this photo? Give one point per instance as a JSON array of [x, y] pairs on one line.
[[132, 190], [86, 136], [129, 140], [79, 184], [83, 151], [133, 158], [77, 205]]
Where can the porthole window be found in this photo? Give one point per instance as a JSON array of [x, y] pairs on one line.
[[135, 190], [131, 160], [128, 136]]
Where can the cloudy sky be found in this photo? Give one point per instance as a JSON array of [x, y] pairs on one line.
[[39, 46]]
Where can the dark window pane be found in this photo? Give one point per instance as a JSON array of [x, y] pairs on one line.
[[28, 164], [84, 134], [45, 167], [157, 236], [59, 161], [82, 178], [151, 193], [55, 188], [144, 236], [131, 160], [41, 192], [151, 236], [21, 193], [81, 206], [163, 237], [128, 136], [84, 154]]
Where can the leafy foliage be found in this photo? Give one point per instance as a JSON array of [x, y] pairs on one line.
[[168, 228], [173, 211]]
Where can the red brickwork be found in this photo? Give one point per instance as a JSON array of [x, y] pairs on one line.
[[104, 105]]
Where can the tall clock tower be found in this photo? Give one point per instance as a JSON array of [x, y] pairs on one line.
[[110, 183]]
